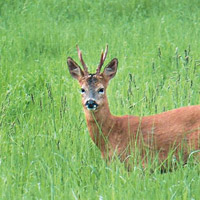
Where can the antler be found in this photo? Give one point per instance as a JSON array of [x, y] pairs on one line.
[[103, 57], [81, 59]]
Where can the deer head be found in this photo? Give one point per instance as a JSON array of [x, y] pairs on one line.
[[93, 86]]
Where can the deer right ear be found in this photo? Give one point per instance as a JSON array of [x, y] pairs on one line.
[[74, 69], [111, 69]]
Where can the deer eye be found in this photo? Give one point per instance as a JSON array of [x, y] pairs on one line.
[[82, 90], [101, 91]]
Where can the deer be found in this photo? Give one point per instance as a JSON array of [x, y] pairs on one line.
[[172, 132]]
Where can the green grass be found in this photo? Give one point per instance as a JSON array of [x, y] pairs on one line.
[[45, 148]]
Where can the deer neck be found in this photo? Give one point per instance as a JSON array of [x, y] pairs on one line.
[[100, 123]]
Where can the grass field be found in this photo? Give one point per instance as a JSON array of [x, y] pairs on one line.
[[45, 149]]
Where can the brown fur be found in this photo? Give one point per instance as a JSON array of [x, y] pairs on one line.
[[157, 133]]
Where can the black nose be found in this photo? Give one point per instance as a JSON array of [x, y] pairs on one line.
[[91, 104]]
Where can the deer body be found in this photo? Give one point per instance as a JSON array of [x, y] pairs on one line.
[[158, 133], [177, 130]]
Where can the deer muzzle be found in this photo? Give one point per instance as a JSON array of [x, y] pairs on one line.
[[91, 104]]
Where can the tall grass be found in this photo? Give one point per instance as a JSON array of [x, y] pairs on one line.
[[45, 148]]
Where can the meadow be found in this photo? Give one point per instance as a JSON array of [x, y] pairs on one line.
[[45, 148]]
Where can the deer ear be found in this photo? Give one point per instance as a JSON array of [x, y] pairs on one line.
[[74, 69], [111, 69]]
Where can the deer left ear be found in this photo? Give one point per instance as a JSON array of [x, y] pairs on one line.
[[74, 69], [111, 69]]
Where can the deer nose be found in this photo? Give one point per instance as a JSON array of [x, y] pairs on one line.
[[91, 104]]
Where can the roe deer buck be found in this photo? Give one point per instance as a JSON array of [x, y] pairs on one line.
[[178, 129]]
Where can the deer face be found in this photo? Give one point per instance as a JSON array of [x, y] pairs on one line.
[[93, 86], [92, 91]]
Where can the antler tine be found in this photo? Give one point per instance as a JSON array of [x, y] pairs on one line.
[[81, 59], [105, 54], [100, 63], [103, 57]]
